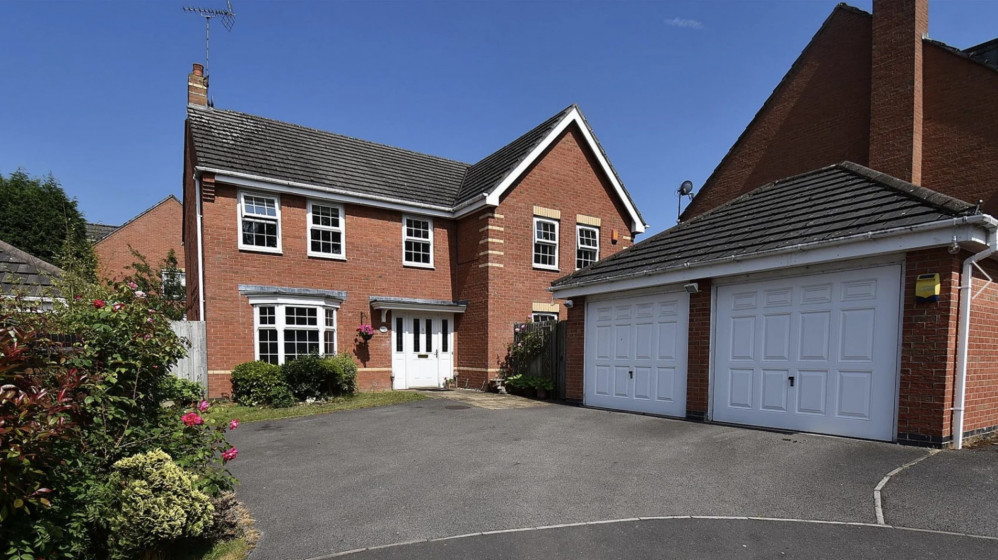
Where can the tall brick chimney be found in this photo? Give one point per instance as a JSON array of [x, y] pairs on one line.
[[197, 87], [896, 87]]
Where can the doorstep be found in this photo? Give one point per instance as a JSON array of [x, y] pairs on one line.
[[493, 401]]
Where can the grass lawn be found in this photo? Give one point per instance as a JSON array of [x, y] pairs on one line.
[[223, 412]]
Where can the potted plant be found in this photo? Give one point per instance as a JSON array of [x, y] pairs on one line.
[[365, 332]]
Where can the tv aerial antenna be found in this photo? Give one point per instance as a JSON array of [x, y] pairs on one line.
[[228, 16], [685, 189]]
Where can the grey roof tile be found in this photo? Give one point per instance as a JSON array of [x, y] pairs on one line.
[[822, 205], [25, 274]]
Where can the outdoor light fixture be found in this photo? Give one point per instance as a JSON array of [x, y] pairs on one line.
[[691, 288], [569, 303]]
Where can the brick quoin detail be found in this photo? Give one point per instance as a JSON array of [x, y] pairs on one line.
[[152, 234]]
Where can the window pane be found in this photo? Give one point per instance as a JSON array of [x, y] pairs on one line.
[[545, 231], [415, 335], [330, 317], [588, 238], [267, 316], [445, 334], [417, 252], [398, 334], [325, 216], [417, 228], [325, 241], [300, 342], [259, 206], [329, 342], [429, 335], [544, 254], [300, 316], [542, 317], [268, 345], [259, 233], [584, 257]]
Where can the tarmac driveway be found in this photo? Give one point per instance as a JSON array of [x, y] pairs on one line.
[[437, 468]]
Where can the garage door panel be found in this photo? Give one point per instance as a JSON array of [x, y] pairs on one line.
[[639, 359], [812, 388], [814, 332], [776, 337], [854, 395], [856, 336], [774, 389], [742, 338], [836, 334], [740, 388]]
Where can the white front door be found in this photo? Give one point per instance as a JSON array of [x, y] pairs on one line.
[[814, 353], [636, 353], [423, 350]]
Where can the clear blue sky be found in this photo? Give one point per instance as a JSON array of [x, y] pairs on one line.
[[95, 92]]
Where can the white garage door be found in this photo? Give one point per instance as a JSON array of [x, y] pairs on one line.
[[636, 353], [815, 353]]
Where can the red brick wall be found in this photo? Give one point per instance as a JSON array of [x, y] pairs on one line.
[[575, 350], [981, 400], [896, 87], [153, 234], [961, 128], [566, 178], [471, 284], [698, 362], [928, 350], [190, 233], [817, 116], [373, 267]]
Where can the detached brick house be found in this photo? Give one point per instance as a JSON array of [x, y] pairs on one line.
[[833, 275], [153, 233], [294, 237]]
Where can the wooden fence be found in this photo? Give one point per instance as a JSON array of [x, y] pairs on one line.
[[194, 366], [550, 363]]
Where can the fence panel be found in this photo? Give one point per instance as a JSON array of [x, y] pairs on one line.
[[194, 366], [550, 362]]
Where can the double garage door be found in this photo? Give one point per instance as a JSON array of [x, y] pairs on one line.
[[811, 353]]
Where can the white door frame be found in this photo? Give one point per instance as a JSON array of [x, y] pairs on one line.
[[443, 350]]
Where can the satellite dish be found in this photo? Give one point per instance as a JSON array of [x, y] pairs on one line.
[[685, 189]]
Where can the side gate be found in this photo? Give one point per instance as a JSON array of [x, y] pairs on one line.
[[193, 366]]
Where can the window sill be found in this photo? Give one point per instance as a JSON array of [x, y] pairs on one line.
[[252, 249], [546, 268], [414, 265], [327, 257]]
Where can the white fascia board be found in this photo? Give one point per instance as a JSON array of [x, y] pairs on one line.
[[471, 206], [320, 192], [573, 116], [971, 229]]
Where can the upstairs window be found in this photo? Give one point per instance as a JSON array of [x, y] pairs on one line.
[[260, 222], [587, 246], [325, 230], [545, 244], [417, 241]]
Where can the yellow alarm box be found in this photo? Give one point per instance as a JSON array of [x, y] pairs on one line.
[[927, 288]]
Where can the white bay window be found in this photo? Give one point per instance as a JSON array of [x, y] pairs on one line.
[[288, 327]]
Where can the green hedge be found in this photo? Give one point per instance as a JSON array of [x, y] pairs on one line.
[[256, 383]]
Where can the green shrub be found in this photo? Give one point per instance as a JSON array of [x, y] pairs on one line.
[[149, 502], [253, 382], [527, 384], [343, 378], [308, 376], [181, 391], [280, 397]]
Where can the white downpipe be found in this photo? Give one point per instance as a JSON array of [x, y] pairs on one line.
[[963, 333], [197, 192]]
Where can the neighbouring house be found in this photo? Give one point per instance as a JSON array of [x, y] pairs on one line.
[[834, 273], [295, 237], [26, 276], [153, 233]]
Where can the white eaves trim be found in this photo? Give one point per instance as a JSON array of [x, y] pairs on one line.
[[573, 116], [970, 229]]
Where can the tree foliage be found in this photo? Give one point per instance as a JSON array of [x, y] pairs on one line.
[[36, 216]]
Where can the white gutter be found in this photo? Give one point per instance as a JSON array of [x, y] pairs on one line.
[[800, 254], [963, 330], [197, 192]]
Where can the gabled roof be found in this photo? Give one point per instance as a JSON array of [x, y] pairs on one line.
[[248, 145], [26, 274], [116, 229], [843, 201]]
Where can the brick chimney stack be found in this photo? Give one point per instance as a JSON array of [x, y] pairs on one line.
[[197, 87], [896, 87]]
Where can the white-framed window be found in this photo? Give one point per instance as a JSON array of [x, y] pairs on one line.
[[538, 317], [325, 230], [259, 222], [285, 328], [586, 246], [545, 243], [417, 241]]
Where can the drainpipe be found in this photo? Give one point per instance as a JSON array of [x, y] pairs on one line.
[[197, 193], [963, 329]]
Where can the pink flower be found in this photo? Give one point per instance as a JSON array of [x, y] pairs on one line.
[[117, 307], [192, 419], [151, 311], [230, 454], [203, 406], [147, 337], [133, 285], [98, 303], [77, 297], [233, 424], [140, 294], [149, 320]]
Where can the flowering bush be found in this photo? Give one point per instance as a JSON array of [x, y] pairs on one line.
[[365, 331]]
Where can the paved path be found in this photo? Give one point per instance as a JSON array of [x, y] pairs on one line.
[[491, 401], [426, 470]]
